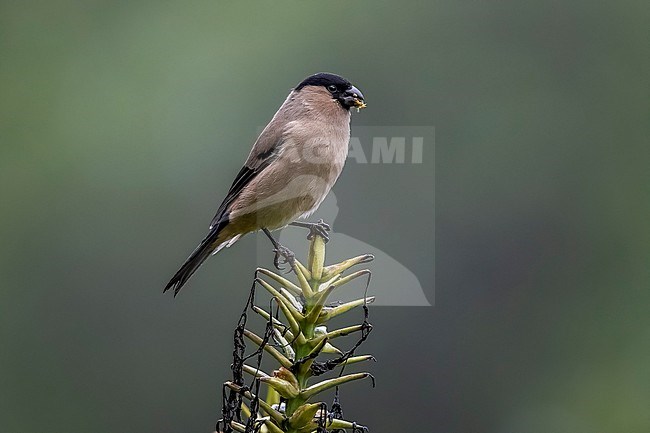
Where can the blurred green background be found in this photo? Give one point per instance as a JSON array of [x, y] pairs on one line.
[[123, 123]]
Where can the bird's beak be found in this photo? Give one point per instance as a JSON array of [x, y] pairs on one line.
[[353, 98]]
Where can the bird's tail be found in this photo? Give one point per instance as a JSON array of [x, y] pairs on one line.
[[199, 255]]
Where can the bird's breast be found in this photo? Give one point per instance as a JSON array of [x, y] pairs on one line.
[[309, 162], [318, 146]]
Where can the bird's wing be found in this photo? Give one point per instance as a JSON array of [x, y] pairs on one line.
[[263, 153]]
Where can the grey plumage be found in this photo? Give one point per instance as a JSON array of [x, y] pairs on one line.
[[292, 166]]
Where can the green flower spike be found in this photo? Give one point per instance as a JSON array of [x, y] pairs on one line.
[[301, 344]]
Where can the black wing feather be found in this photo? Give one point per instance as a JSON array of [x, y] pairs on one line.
[[264, 152], [244, 177]]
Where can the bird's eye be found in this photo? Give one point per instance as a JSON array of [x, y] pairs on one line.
[[332, 88]]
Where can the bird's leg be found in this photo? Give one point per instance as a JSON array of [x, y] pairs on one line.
[[281, 252], [319, 228]]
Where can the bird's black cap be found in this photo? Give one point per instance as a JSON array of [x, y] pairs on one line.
[[324, 79]]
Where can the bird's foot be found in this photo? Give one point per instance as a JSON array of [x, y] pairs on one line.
[[283, 255], [319, 228]]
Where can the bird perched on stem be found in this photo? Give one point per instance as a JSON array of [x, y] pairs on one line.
[[293, 164]]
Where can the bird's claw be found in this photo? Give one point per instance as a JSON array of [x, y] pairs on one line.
[[319, 228], [283, 255]]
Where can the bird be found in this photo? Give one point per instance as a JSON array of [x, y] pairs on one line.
[[290, 169]]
